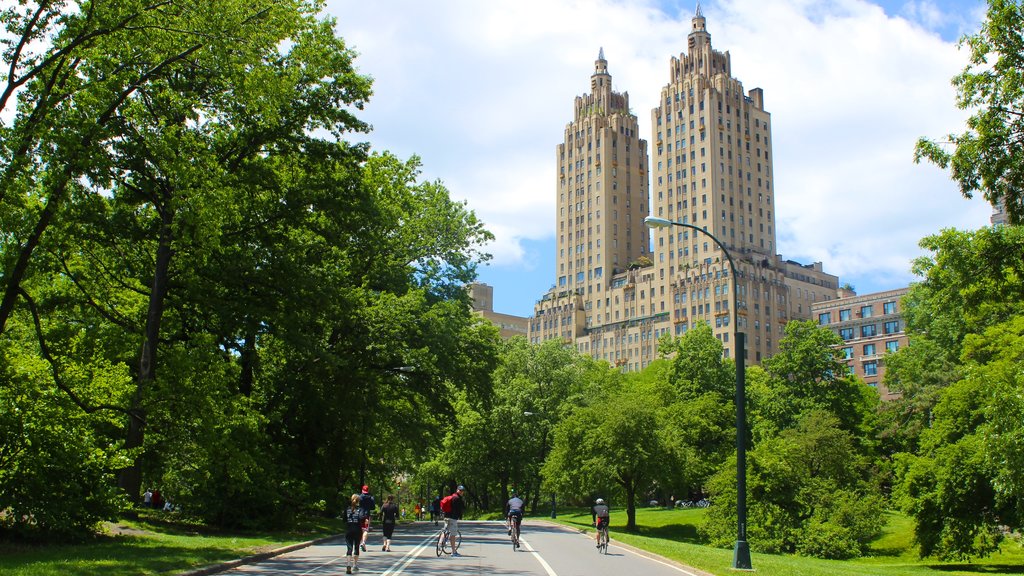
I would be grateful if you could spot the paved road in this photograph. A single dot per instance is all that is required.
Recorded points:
(547, 550)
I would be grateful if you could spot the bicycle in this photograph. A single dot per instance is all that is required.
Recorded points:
(443, 543)
(514, 532)
(602, 539)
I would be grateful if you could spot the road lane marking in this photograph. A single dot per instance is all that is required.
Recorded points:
(411, 555)
(543, 563)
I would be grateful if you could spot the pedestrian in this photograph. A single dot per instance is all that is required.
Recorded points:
(368, 504)
(435, 509)
(353, 533)
(388, 519)
(147, 498)
(418, 513)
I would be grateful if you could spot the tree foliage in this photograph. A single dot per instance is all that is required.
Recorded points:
(959, 476)
(202, 281)
(989, 156)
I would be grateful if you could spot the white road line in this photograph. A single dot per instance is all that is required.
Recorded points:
(543, 563)
(411, 555)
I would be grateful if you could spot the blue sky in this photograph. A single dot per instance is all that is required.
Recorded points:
(481, 91)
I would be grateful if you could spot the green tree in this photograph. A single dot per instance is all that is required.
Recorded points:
(965, 486)
(615, 443)
(808, 374)
(989, 156)
(807, 492)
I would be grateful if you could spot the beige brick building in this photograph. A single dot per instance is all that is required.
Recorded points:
(870, 325)
(482, 297)
(710, 166)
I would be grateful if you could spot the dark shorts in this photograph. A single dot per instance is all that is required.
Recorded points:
(389, 529)
(602, 522)
(516, 515)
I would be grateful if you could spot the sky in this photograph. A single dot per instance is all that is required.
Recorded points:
(481, 91)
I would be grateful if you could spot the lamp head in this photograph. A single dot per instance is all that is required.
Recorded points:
(655, 222)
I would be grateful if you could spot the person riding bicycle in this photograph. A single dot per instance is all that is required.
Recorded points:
(600, 516)
(514, 512)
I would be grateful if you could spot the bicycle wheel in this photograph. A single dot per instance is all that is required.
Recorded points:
(442, 544)
(458, 540)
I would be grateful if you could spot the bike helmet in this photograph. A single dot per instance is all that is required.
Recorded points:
(599, 501)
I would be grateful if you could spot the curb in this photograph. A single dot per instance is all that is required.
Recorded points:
(216, 568)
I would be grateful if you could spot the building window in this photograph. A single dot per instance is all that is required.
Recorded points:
(869, 349)
(824, 318)
(867, 330)
(892, 327)
(848, 353)
(871, 368)
(892, 346)
(844, 315)
(865, 311)
(889, 308)
(846, 333)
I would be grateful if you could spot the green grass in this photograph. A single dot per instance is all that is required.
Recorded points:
(673, 534)
(153, 546)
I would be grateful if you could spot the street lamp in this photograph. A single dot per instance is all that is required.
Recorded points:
(544, 449)
(741, 551)
(362, 419)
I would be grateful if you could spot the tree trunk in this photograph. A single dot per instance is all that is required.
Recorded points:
(630, 487)
(130, 478)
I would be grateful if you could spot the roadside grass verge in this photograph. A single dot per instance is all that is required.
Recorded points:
(673, 534)
(153, 544)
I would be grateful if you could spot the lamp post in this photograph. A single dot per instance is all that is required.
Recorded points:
(544, 450)
(741, 551)
(398, 370)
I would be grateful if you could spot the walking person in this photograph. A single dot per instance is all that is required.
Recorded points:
(353, 533)
(435, 509)
(368, 505)
(388, 519)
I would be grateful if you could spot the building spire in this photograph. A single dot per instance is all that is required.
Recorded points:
(600, 53)
(698, 14)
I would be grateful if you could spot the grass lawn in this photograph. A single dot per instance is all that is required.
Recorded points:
(673, 534)
(151, 545)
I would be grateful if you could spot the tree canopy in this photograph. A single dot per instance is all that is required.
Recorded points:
(989, 156)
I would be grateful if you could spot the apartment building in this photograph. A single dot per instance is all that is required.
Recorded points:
(710, 167)
(481, 296)
(870, 325)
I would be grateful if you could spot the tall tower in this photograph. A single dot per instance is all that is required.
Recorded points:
(602, 188)
(711, 167)
(603, 193)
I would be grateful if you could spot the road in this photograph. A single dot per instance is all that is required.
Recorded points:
(547, 550)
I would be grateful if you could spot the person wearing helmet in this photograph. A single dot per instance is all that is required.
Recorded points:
(599, 514)
(514, 512)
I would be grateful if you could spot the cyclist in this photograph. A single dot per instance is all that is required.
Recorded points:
(599, 515)
(514, 512)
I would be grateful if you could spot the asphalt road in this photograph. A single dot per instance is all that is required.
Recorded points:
(547, 550)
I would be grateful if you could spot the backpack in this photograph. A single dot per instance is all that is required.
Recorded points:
(446, 503)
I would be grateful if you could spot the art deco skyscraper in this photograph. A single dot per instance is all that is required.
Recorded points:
(711, 167)
(602, 185)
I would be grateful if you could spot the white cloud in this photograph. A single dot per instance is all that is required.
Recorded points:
(482, 91)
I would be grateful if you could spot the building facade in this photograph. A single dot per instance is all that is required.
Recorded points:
(870, 326)
(710, 167)
(481, 296)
